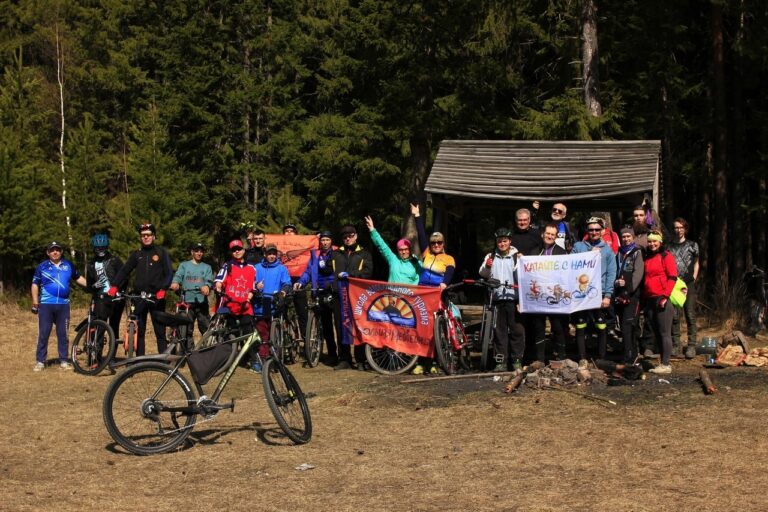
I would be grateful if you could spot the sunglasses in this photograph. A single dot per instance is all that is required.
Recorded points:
(436, 242)
(593, 230)
(349, 235)
(558, 211)
(235, 249)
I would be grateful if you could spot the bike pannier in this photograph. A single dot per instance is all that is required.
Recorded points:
(206, 362)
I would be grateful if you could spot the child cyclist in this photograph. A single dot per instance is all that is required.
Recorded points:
(271, 280)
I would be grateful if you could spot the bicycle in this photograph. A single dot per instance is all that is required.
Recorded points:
(452, 346)
(151, 408)
(182, 308)
(224, 328)
(488, 322)
(94, 346)
(757, 292)
(313, 341)
(131, 340)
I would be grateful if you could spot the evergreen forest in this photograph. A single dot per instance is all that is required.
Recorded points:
(203, 115)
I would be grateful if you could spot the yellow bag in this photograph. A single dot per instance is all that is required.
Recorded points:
(679, 293)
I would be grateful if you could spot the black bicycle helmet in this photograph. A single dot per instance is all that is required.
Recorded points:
(503, 233)
(147, 227)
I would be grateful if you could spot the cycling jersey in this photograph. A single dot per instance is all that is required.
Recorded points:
(53, 281)
(237, 280)
(436, 268)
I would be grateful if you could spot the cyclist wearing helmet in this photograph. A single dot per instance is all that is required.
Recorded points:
(501, 264)
(153, 275)
(100, 275)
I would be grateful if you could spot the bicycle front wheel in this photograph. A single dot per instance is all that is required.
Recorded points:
(389, 362)
(286, 401)
(93, 348)
(313, 341)
(277, 337)
(148, 409)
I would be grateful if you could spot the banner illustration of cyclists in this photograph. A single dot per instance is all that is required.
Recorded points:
(294, 250)
(392, 315)
(560, 284)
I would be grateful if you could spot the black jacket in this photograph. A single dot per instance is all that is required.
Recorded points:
(355, 261)
(153, 270)
(112, 266)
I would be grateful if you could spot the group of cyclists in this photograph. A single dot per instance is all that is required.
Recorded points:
(639, 272)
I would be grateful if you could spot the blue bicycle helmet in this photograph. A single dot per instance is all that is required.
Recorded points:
(99, 240)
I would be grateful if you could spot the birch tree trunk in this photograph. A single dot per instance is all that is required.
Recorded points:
(60, 81)
(590, 58)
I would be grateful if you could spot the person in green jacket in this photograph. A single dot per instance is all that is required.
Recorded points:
(194, 279)
(404, 267)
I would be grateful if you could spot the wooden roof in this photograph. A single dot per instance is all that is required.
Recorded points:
(545, 170)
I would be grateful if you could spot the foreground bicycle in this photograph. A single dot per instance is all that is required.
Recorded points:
(94, 345)
(151, 408)
(452, 346)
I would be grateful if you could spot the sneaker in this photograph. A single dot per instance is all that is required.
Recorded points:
(256, 367)
(343, 365)
(662, 369)
(583, 364)
(363, 367)
(517, 365)
(419, 370)
(501, 367)
(690, 351)
(38, 367)
(433, 370)
(64, 365)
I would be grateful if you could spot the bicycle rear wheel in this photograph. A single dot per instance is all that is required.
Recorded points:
(146, 412)
(444, 353)
(389, 362)
(93, 348)
(313, 341)
(486, 335)
(286, 401)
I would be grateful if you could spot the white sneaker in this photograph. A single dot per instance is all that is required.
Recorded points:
(662, 369)
(38, 367)
(65, 365)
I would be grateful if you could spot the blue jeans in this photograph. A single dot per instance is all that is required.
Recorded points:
(48, 315)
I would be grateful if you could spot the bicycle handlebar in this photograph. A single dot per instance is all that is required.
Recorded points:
(149, 297)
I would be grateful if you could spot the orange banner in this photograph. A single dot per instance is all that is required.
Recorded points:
(294, 250)
(393, 315)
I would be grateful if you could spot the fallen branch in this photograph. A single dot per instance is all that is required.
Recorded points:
(458, 377)
(706, 381)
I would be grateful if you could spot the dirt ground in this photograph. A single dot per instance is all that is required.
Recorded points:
(381, 444)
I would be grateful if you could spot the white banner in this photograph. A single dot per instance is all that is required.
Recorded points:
(560, 284)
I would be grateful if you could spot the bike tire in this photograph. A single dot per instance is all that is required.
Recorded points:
(444, 353)
(94, 347)
(389, 362)
(131, 340)
(286, 401)
(486, 333)
(464, 356)
(313, 341)
(277, 338)
(134, 409)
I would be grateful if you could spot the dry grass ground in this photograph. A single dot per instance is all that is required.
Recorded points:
(380, 444)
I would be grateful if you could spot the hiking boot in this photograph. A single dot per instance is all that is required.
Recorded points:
(64, 365)
(662, 369)
(690, 351)
(343, 365)
(38, 367)
(517, 365)
(418, 370)
(363, 367)
(256, 367)
(433, 370)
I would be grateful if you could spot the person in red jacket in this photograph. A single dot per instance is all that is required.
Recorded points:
(660, 278)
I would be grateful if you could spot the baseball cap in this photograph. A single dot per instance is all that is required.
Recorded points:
(236, 243)
(349, 229)
(403, 242)
(198, 246)
(52, 245)
(326, 234)
(270, 248)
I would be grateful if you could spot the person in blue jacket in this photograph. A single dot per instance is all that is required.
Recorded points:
(271, 283)
(595, 242)
(50, 302)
